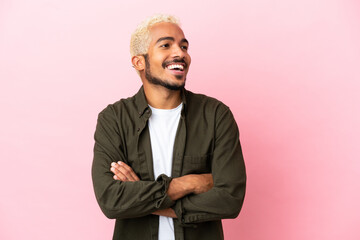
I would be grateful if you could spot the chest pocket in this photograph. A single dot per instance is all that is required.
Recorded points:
(196, 164)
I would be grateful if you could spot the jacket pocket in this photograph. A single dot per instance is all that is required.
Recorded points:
(197, 164)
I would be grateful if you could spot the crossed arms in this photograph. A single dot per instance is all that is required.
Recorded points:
(178, 187)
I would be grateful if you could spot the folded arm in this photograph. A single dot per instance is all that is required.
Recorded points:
(178, 187)
(122, 199)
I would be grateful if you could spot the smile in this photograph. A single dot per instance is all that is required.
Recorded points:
(177, 67)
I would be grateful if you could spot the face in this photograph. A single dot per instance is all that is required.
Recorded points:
(167, 61)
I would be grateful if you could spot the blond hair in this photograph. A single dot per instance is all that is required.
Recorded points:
(140, 39)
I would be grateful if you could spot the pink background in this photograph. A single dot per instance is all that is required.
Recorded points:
(289, 70)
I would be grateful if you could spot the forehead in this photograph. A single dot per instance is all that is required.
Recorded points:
(165, 29)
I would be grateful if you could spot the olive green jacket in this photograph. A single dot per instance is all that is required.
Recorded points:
(207, 141)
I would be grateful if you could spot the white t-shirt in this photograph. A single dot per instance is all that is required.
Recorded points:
(163, 125)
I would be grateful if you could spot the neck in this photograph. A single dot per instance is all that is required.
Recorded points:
(161, 97)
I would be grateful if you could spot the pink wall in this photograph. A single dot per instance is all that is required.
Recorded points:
(289, 70)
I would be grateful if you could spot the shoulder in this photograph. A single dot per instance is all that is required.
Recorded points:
(200, 102)
(120, 107)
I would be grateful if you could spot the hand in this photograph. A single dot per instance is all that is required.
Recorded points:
(123, 172)
(201, 182)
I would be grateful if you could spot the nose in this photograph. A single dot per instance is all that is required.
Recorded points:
(178, 52)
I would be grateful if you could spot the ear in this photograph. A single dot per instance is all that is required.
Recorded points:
(138, 62)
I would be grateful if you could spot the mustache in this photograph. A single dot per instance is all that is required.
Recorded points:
(176, 60)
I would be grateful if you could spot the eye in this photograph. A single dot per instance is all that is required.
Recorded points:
(166, 45)
(184, 47)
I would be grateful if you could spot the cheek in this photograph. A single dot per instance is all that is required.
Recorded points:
(189, 60)
(157, 62)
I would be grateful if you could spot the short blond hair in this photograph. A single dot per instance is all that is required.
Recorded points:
(140, 39)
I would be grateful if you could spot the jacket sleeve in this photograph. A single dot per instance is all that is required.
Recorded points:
(119, 199)
(226, 197)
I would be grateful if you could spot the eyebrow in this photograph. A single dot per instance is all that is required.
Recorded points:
(172, 39)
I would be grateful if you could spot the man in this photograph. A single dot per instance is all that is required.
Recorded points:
(167, 162)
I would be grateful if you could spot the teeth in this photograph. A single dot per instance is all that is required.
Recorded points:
(181, 67)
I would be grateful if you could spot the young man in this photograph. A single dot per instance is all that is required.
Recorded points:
(167, 162)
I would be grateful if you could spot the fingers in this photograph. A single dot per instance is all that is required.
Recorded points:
(204, 182)
(210, 181)
(209, 178)
(128, 171)
(117, 174)
(123, 172)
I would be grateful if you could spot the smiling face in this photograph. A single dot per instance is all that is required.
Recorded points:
(167, 61)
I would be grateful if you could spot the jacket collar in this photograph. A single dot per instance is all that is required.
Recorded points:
(142, 105)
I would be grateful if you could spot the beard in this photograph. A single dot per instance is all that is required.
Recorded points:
(161, 82)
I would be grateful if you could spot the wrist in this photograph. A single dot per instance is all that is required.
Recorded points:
(180, 187)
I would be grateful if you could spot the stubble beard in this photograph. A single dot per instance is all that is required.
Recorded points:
(161, 82)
